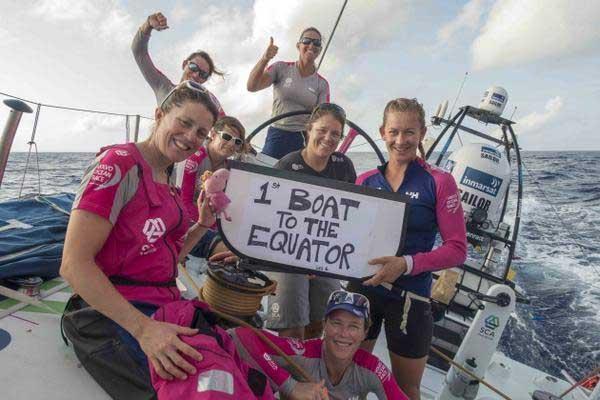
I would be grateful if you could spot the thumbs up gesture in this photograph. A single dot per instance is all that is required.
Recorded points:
(271, 50)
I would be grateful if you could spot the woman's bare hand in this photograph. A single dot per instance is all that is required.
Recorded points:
(161, 343)
(158, 21)
(392, 268)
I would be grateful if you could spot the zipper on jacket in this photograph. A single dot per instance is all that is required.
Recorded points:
(173, 256)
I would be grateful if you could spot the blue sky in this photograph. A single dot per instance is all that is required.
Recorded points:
(76, 53)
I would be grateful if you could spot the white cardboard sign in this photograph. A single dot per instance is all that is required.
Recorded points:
(295, 222)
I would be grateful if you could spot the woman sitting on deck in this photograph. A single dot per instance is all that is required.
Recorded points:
(127, 232)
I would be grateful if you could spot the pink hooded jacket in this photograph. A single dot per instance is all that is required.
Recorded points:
(221, 374)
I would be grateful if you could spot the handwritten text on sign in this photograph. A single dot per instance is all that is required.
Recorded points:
(308, 229)
(310, 226)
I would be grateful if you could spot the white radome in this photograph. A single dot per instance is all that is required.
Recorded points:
(494, 100)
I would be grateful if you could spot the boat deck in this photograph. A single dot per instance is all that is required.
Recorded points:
(36, 363)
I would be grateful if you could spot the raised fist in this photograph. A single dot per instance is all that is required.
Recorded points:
(158, 21)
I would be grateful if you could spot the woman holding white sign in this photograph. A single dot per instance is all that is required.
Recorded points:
(434, 207)
(298, 308)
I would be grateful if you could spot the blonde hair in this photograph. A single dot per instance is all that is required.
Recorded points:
(409, 106)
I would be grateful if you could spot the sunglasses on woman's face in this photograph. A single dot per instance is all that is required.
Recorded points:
(228, 137)
(306, 41)
(195, 68)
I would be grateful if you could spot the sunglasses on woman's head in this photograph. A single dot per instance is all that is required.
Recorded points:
(353, 299)
(306, 41)
(228, 137)
(330, 107)
(195, 68)
(344, 297)
(195, 86)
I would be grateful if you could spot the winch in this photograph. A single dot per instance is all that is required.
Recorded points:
(234, 290)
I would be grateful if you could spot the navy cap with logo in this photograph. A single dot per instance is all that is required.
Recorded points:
(354, 303)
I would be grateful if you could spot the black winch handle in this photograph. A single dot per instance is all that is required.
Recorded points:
(502, 299)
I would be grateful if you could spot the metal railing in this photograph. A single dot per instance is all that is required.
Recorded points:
(19, 105)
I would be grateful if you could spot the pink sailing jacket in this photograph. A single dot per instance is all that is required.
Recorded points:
(367, 374)
(140, 254)
(190, 180)
(221, 374)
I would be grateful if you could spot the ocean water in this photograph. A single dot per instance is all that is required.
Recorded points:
(558, 265)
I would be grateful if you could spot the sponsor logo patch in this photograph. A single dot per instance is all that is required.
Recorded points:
(481, 181)
(452, 203)
(491, 154)
(296, 345)
(275, 311)
(270, 361)
(492, 322)
(147, 249)
(191, 166)
(412, 195)
(499, 97)
(297, 167)
(474, 200)
(488, 330)
(154, 229)
(122, 153)
(105, 176)
(382, 372)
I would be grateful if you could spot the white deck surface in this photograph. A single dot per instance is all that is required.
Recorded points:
(36, 364)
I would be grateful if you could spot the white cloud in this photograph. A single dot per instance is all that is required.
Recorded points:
(469, 18)
(536, 120)
(6, 38)
(95, 121)
(179, 13)
(116, 27)
(523, 31)
(105, 20)
(88, 132)
(63, 10)
(236, 37)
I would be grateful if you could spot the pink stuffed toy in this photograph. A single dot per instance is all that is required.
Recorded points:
(212, 188)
